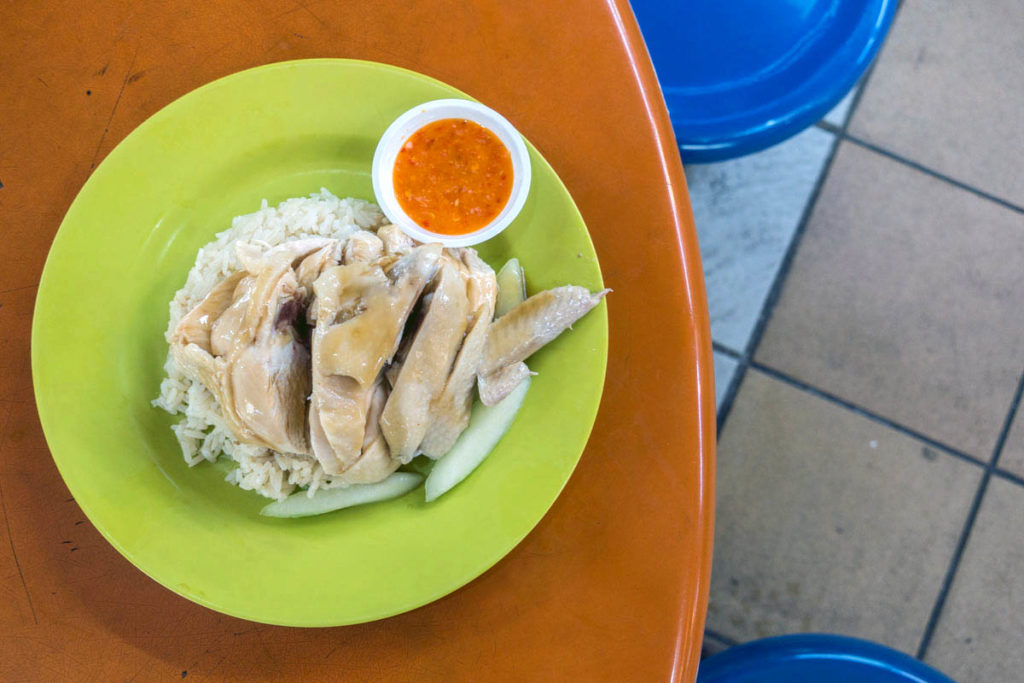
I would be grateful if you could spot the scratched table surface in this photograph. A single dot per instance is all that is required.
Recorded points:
(612, 583)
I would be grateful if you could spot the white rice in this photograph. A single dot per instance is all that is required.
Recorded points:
(201, 433)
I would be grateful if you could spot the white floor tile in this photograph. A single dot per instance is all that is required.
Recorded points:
(746, 212)
(837, 117)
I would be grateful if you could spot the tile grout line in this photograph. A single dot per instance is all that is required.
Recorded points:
(1008, 476)
(882, 151)
(868, 414)
(729, 396)
(828, 127)
(972, 516)
(745, 360)
(726, 351)
(724, 639)
(860, 142)
(991, 468)
(775, 290)
(954, 564)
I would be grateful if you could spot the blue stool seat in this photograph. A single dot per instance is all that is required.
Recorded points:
(742, 75)
(815, 658)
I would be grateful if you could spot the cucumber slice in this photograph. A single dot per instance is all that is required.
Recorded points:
(328, 500)
(486, 427)
(511, 287)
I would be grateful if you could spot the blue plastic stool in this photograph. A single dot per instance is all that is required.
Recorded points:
(815, 658)
(742, 75)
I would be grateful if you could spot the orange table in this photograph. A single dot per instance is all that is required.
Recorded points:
(612, 584)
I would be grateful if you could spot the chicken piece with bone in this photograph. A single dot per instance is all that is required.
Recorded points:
(241, 343)
(518, 334)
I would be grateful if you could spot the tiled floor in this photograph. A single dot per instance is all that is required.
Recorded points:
(866, 289)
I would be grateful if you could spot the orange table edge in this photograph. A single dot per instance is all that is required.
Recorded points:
(612, 584)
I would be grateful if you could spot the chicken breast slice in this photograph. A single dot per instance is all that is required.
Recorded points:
(362, 246)
(449, 413)
(234, 329)
(364, 331)
(260, 299)
(197, 325)
(270, 382)
(253, 259)
(340, 404)
(361, 311)
(310, 269)
(481, 282)
(427, 365)
(312, 265)
(396, 242)
(270, 377)
(375, 463)
(338, 417)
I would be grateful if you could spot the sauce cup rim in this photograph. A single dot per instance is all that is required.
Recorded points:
(401, 128)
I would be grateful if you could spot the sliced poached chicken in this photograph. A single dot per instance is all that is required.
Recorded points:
(361, 312)
(427, 364)
(449, 412)
(245, 349)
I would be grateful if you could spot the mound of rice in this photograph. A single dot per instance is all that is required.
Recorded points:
(202, 433)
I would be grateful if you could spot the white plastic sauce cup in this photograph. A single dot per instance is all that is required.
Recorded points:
(428, 112)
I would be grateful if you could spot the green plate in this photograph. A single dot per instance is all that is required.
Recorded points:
(124, 248)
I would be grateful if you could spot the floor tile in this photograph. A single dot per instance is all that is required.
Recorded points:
(837, 117)
(947, 92)
(725, 368)
(827, 521)
(1012, 459)
(904, 298)
(979, 635)
(746, 212)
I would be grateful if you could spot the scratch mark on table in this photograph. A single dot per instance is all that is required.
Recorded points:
(10, 538)
(313, 14)
(40, 79)
(304, 7)
(286, 12)
(18, 289)
(110, 118)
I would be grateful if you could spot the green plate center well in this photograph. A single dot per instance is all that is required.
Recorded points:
(126, 246)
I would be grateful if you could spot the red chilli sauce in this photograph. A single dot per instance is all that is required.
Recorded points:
(453, 176)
